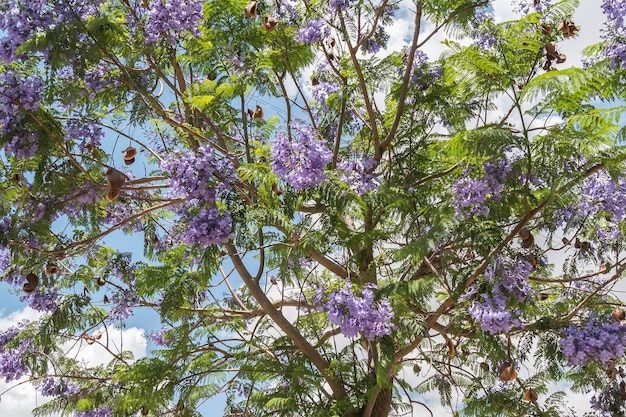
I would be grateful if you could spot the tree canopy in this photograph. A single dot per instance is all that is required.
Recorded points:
(324, 224)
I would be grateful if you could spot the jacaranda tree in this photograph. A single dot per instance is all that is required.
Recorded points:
(324, 226)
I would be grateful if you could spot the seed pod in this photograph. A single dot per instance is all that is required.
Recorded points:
(17, 177)
(129, 155)
(276, 190)
(619, 314)
(530, 395)
(269, 23)
(565, 241)
(622, 390)
(507, 372)
(251, 9)
(51, 268)
(546, 29)
(484, 366)
(113, 195)
(577, 243)
(529, 242)
(451, 347)
(273, 280)
(32, 281)
(551, 51)
(106, 299)
(59, 252)
(144, 411)
(543, 296)
(89, 339)
(258, 112)
(561, 59)
(524, 234)
(100, 281)
(115, 178)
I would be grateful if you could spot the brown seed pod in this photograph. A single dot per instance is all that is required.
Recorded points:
(622, 390)
(113, 195)
(251, 9)
(276, 190)
(546, 29)
(507, 372)
(258, 112)
(451, 347)
(543, 296)
(59, 252)
(273, 280)
(619, 314)
(551, 51)
(17, 177)
(106, 299)
(144, 411)
(32, 281)
(315, 81)
(561, 59)
(89, 339)
(484, 366)
(530, 395)
(565, 241)
(524, 234)
(269, 23)
(115, 178)
(577, 243)
(529, 242)
(129, 155)
(100, 281)
(51, 268)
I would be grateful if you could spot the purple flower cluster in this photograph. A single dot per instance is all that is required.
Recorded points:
(313, 32)
(84, 132)
(56, 387)
(485, 32)
(357, 173)
(288, 11)
(300, 162)
(604, 196)
(159, 337)
(471, 194)
(321, 91)
(125, 300)
(46, 300)
(423, 73)
(11, 365)
(608, 402)
(19, 20)
(356, 314)
(201, 178)
(168, 18)
(599, 338)
(16, 96)
(377, 41)
(615, 35)
(507, 280)
(340, 5)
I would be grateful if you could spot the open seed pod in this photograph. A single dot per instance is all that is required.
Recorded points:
(100, 281)
(524, 234)
(251, 9)
(32, 281)
(269, 23)
(530, 395)
(115, 178)
(561, 59)
(546, 29)
(51, 268)
(551, 51)
(507, 372)
(619, 314)
(129, 155)
(256, 113)
(568, 28)
(273, 280)
(113, 194)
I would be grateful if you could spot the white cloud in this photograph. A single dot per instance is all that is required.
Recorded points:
(18, 398)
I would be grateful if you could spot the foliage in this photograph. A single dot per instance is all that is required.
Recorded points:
(324, 223)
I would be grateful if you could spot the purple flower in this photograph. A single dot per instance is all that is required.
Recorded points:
(100, 412)
(357, 173)
(56, 387)
(599, 338)
(313, 32)
(302, 161)
(166, 19)
(356, 314)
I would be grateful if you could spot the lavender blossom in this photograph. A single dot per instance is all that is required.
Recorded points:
(599, 338)
(167, 19)
(615, 33)
(358, 174)
(356, 314)
(313, 32)
(300, 162)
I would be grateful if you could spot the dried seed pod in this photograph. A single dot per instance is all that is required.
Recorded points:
(115, 178)
(32, 281)
(622, 390)
(529, 242)
(251, 9)
(551, 51)
(543, 296)
(315, 81)
(417, 369)
(51, 268)
(97, 335)
(568, 28)
(258, 112)
(451, 347)
(17, 177)
(548, 65)
(530, 395)
(546, 29)
(585, 245)
(59, 252)
(100, 281)
(524, 234)
(619, 314)
(561, 59)
(484, 366)
(89, 339)
(106, 299)
(113, 195)
(565, 241)
(144, 411)
(129, 155)
(273, 280)
(507, 372)
(269, 23)
(276, 190)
